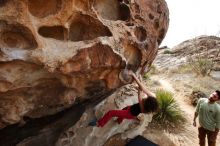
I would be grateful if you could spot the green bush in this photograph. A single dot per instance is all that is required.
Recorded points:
(185, 68)
(201, 66)
(169, 111)
(167, 52)
(152, 70)
(146, 76)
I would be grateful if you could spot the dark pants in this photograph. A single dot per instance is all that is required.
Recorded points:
(211, 135)
(121, 114)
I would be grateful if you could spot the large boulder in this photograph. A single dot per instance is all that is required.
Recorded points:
(200, 47)
(190, 52)
(56, 53)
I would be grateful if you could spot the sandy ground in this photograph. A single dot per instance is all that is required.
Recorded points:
(181, 85)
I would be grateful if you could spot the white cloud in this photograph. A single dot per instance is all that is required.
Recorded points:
(190, 18)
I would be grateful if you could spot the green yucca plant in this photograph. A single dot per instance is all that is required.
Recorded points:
(169, 110)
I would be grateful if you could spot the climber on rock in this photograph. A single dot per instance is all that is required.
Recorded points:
(145, 105)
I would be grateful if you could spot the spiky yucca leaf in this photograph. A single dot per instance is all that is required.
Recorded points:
(169, 110)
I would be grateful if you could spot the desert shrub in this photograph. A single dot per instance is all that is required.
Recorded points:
(152, 70)
(169, 111)
(201, 65)
(146, 76)
(196, 95)
(167, 52)
(184, 68)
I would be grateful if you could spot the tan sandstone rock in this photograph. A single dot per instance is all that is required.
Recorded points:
(54, 53)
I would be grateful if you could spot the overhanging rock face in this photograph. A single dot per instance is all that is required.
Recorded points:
(56, 53)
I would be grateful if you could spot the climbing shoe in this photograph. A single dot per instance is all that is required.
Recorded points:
(93, 122)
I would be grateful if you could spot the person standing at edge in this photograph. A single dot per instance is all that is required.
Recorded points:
(209, 118)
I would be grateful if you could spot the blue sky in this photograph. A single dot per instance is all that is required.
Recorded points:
(191, 18)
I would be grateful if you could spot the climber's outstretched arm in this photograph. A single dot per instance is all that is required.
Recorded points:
(140, 100)
(141, 85)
